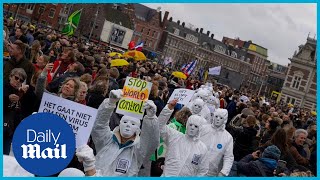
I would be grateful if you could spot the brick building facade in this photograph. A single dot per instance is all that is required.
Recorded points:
(36, 13)
(300, 85)
(148, 25)
(183, 44)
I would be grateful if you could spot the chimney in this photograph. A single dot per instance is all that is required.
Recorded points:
(165, 18)
(197, 30)
(212, 36)
(178, 22)
(201, 30)
(208, 33)
(183, 24)
(170, 19)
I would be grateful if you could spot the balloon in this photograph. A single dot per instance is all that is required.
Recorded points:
(131, 45)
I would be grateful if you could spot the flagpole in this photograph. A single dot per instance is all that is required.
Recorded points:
(94, 23)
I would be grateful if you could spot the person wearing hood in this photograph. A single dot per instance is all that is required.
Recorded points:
(201, 94)
(219, 143)
(252, 165)
(194, 160)
(196, 109)
(121, 152)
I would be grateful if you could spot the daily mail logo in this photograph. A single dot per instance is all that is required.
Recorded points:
(44, 144)
(34, 150)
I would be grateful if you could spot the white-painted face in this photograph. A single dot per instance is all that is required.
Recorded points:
(197, 106)
(193, 126)
(202, 94)
(211, 100)
(129, 126)
(220, 117)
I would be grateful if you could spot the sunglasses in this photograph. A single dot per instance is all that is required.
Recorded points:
(18, 79)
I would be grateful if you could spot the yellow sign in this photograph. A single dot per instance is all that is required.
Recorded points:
(135, 93)
(276, 96)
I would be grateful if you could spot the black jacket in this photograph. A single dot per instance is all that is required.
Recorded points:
(245, 142)
(250, 167)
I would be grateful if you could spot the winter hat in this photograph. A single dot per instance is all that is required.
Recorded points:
(272, 152)
(11, 168)
(71, 172)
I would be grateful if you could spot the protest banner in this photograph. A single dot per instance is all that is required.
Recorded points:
(135, 93)
(183, 95)
(80, 117)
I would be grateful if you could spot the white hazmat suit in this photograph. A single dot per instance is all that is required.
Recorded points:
(219, 143)
(186, 155)
(114, 158)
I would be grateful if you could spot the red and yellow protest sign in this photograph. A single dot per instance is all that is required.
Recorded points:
(135, 93)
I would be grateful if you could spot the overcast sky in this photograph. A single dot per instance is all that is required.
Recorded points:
(280, 28)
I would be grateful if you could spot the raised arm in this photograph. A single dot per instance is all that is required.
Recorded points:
(163, 118)
(150, 135)
(101, 133)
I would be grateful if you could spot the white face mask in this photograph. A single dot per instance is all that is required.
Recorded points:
(218, 121)
(196, 108)
(192, 130)
(129, 126)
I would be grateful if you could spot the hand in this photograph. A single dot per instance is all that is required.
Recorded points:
(172, 104)
(85, 155)
(14, 98)
(115, 96)
(256, 154)
(24, 88)
(49, 67)
(150, 108)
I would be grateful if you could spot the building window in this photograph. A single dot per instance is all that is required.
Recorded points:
(142, 30)
(22, 6)
(291, 100)
(296, 82)
(176, 32)
(41, 9)
(148, 32)
(52, 12)
(30, 6)
(154, 32)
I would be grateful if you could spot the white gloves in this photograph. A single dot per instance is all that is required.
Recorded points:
(150, 108)
(85, 155)
(115, 96)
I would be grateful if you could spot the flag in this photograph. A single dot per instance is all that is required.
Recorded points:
(189, 68)
(205, 75)
(200, 73)
(183, 67)
(167, 60)
(72, 24)
(139, 46)
(215, 70)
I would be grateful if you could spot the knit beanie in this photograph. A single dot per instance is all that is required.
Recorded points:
(272, 152)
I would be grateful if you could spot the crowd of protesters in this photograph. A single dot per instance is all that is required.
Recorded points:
(38, 60)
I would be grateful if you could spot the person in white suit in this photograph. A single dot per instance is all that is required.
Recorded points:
(122, 151)
(186, 155)
(219, 143)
